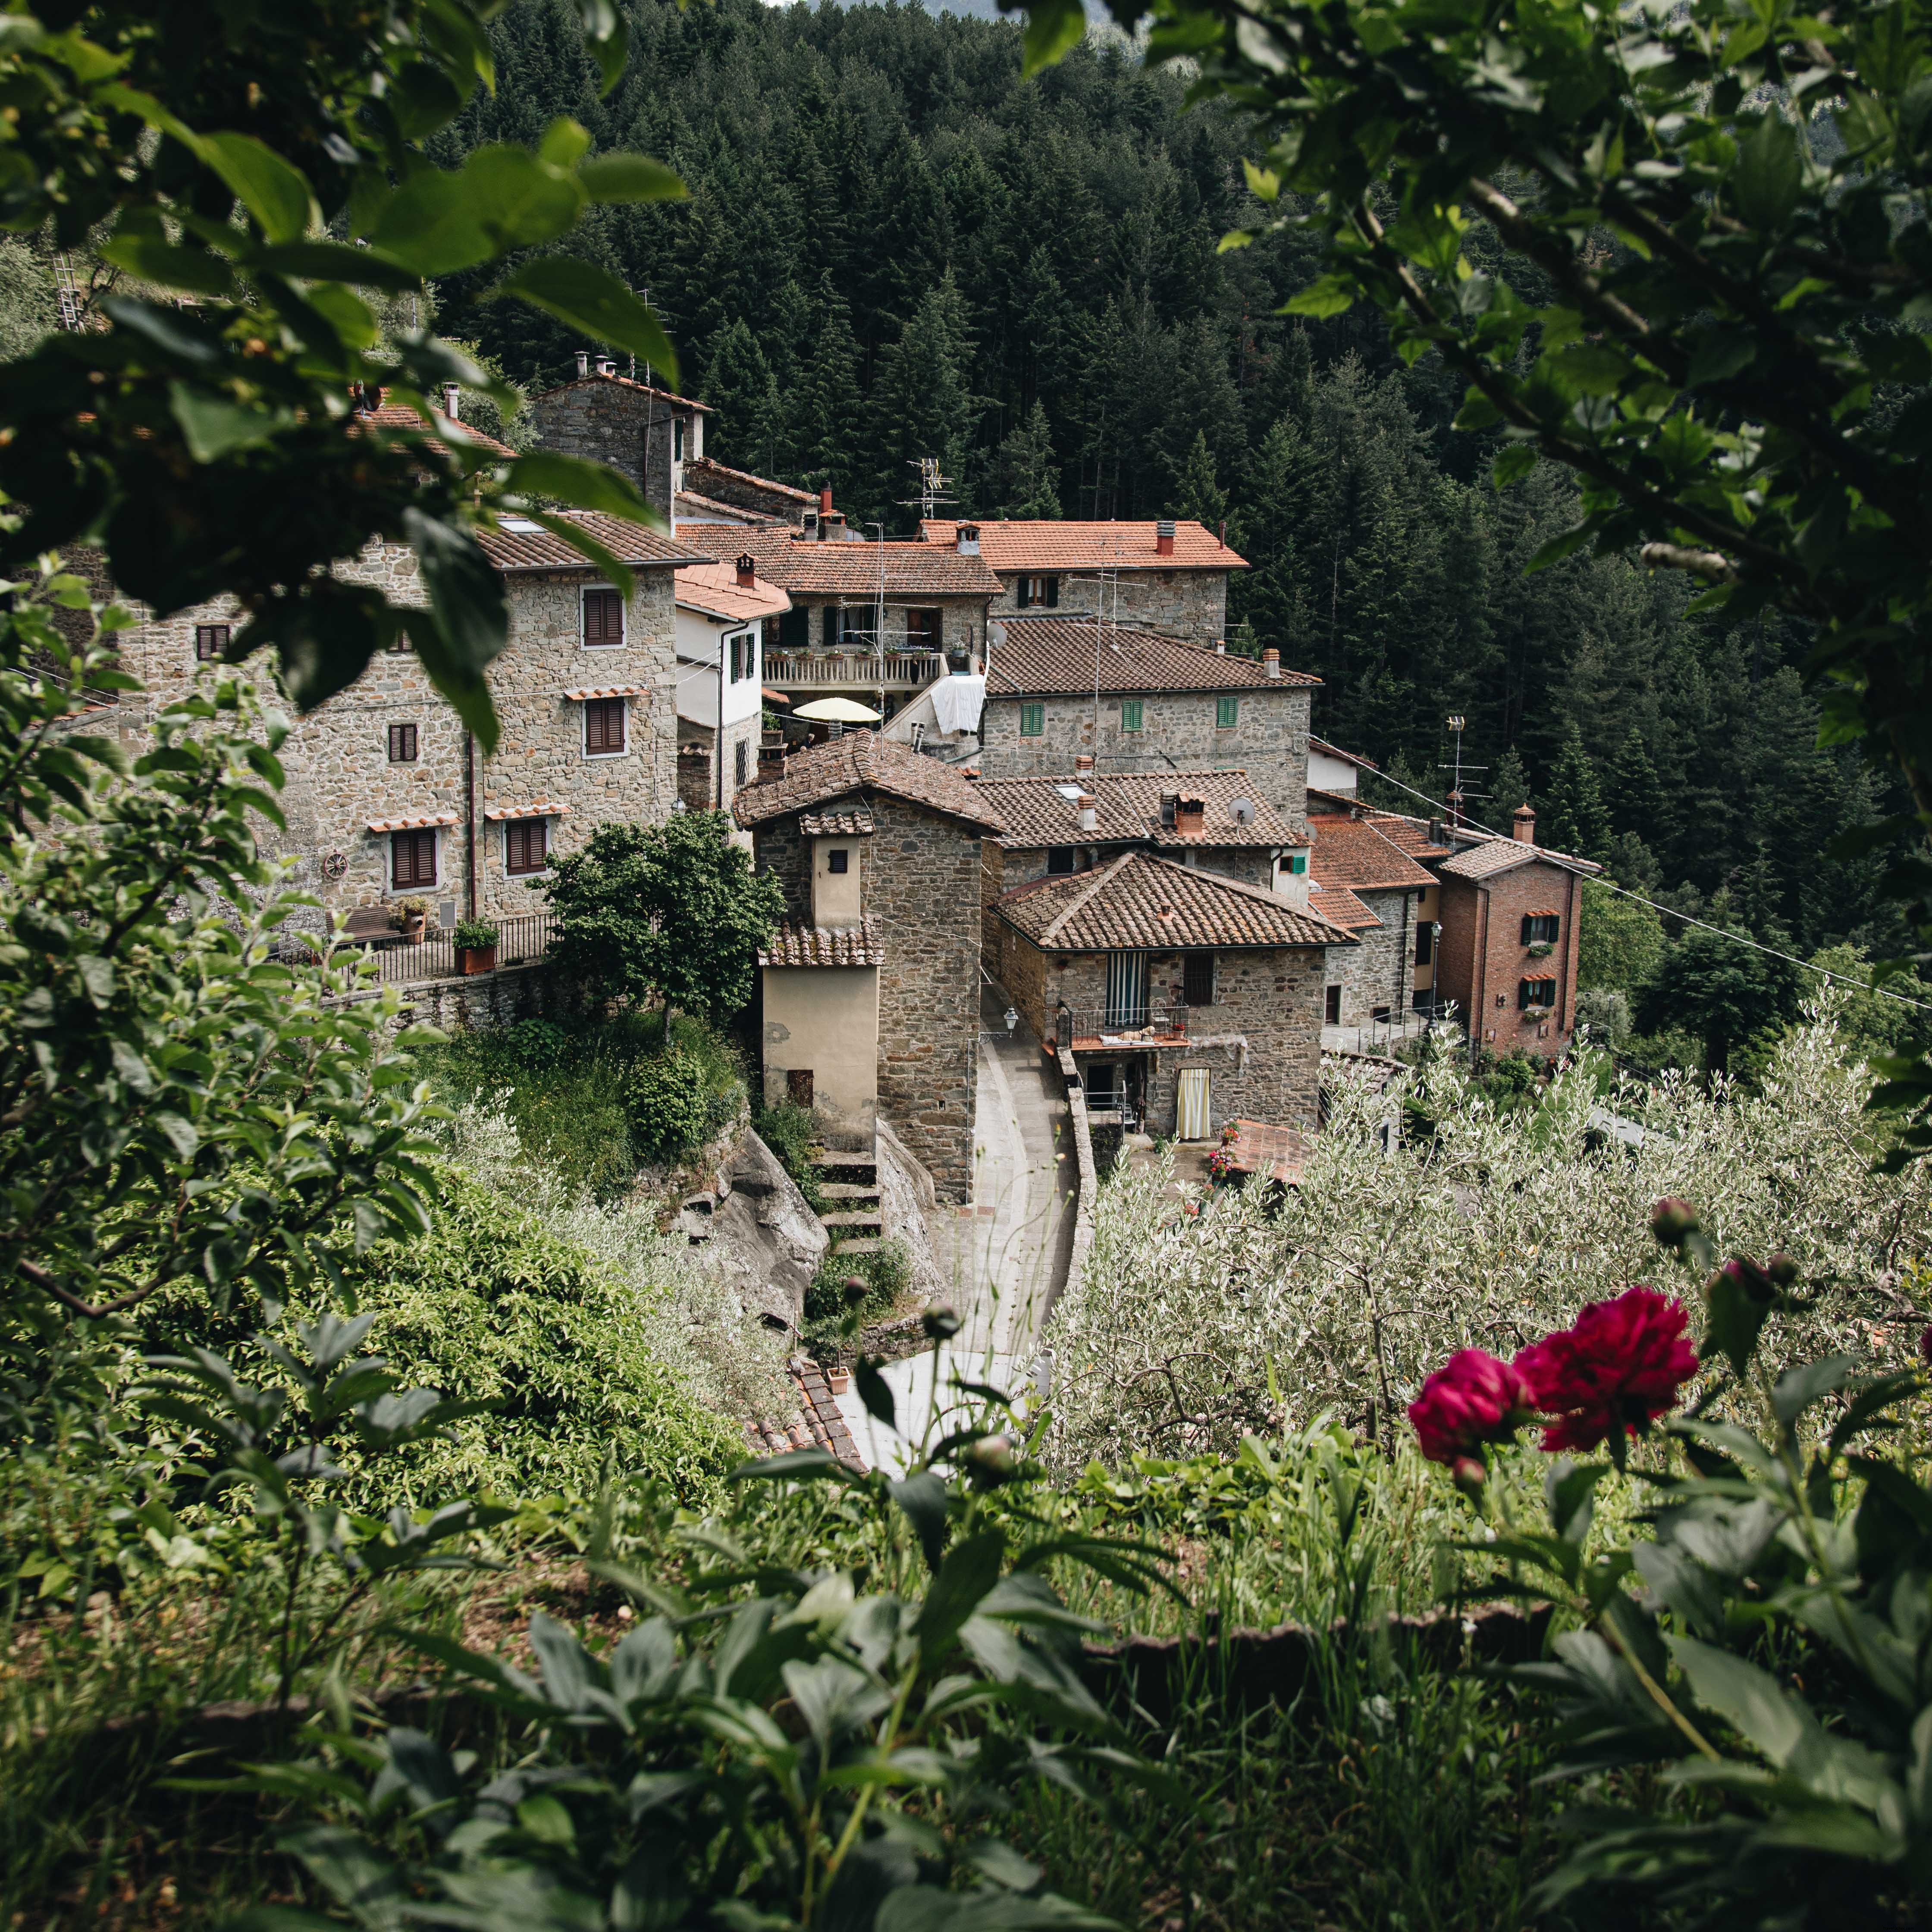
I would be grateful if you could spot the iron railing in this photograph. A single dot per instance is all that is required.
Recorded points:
(521, 939)
(895, 670)
(1129, 1026)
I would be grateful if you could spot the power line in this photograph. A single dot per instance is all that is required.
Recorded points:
(1669, 912)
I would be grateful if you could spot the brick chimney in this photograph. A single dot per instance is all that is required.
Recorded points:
(1083, 761)
(967, 538)
(1522, 825)
(1190, 817)
(1271, 663)
(1090, 818)
(748, 571)
(771, 762)
(1163, 537)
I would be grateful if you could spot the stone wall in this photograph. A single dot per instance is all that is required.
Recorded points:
(1261, 1041)
(962, 622)
(1375, 971)
(1190, 605)
(1269, 739)
(478, 1002)
(340, 778)
(1482, 932)
(617, 422)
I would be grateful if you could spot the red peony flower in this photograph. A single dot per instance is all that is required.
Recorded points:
(1619, 1366)
(1472, 1400)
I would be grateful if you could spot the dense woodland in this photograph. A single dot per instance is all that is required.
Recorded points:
(895, 246)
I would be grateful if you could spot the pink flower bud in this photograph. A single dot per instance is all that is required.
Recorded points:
(1673, 1221)
(1782, 1269)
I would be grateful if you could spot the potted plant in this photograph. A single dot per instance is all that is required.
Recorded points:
(411, 918)
(475, 945)
(1540, 949)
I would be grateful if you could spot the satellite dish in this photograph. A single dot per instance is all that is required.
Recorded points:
(1241, 811)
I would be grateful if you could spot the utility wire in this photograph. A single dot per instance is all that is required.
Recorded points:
(1668, 912)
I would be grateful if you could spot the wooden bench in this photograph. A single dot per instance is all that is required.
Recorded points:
(369, 925)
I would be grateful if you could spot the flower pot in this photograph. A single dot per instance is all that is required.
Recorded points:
(475, 959)
(415, 931)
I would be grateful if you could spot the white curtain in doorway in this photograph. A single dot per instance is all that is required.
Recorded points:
(1193, 1123)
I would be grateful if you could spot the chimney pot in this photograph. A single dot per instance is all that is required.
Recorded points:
(1083, 761)
(748, 571)
(1170, 809)
(583, 364)
(1089, 818)
(1220, 647)
(967, 539)
(607, 365)
(1271, 663)
(1163, 537)
(1522, 825)
(452, 402)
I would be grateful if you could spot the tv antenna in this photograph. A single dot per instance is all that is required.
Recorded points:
(1458, 798)
(933, 489)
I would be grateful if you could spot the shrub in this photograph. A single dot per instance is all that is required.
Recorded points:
(887, 1272)
(474, 935)
(666, 1098)
(535, 1046)
(787, 1130)
(1605, 1011)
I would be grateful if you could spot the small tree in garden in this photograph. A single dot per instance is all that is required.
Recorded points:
(672, 909)
(1709, 986)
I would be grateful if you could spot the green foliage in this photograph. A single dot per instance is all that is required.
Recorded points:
(1573, 819)
(672, 909)
(1618, 941)
(666, 1101)
(474, 935)
(788, 1130)
(1605, 1011)
(884, 1275)
(28, 308)
(1876, 1018)
(230, 409)
(1720, 992)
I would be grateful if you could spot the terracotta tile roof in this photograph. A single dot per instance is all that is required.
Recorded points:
(1356, 854)
(1139, 902)
(1057, 544)
(822, 945)
(433, 434)
(839, 568)
(517, 544)
(544, 809)
(1054, 657)
(589, 691)
(820, 1424)
(1412, 835)
(714, 589)
(631, 383)
(691, 508)
(1338, 904)
(1126, 805)
(1319, 800)
(422, 822)
(1494, 855)
(1327, 750)
(703, 467)
(835, 824)
(862, 761)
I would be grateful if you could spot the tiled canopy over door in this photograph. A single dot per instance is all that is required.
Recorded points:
(1127, 989)
(1192, 1125)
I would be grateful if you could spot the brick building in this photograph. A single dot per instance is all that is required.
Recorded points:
(1361, 878)
(1170, 576)
(878, 851)
(389, 798)
(1160, 705)
(1508, 955)
(647, 433)
(1186, 999)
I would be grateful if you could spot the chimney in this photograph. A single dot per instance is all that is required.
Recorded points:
(607, 365)
(1271, 663)
(1089, 818)
(1220, 647)
(1223, 539)
(1439, 832)
(967, 539)
(1163, 537)
(583, 364)
(1170, 809)
(1083, 761)
(771, 762)
(1190, 817)
(452, 402)
(748, 571)
(1522, 825)
(823, 527)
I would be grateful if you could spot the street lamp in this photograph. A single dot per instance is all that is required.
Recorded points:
(1012, 1021)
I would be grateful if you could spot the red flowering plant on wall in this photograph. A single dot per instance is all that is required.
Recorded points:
(1766, 1649)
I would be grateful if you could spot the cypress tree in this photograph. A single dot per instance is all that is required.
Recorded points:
(1026, 474)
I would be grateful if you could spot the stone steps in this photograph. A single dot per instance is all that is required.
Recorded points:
(856, 1218)
(848, 1190)
(863, 1244)
(844, 1164)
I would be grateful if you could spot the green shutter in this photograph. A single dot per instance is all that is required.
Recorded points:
(1227, 713)
(1033, 721)
(1130, 713)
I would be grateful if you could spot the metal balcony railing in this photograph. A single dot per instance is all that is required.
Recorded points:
(522, 939)
(897, 671)
(1129, 1026)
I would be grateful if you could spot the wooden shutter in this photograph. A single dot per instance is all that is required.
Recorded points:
(603, 724)
(1023, 592)
(1052, 592)
(402, 744)
(411, 859)
(526, 844)
(603, 617)
(210, 641)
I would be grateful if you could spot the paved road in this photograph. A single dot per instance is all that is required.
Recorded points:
(1010, 1250)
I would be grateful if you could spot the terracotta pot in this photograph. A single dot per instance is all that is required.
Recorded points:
(475, 959)
(415, 931)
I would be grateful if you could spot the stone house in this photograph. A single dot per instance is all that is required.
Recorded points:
(1170, 576)
(389, 798)
(1508, 955)
(1360, 878)
(721, 610)
(711, 493)
(869, 993)
(648, 433)
(1186, 999)
(1160, 705)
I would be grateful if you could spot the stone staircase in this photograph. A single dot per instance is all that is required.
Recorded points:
(849, 1181)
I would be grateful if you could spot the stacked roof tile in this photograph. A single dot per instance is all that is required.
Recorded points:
(1057, 544)
(517, 544)
(835, 824)
(840, 568)
(1127, 805)
(822, 945)
(1054, 657)
(862, 761)
(819, 1423)
(1357, 854)
(714, 589)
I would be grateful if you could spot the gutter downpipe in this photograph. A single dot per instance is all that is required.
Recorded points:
(717, 737)
(469, 821)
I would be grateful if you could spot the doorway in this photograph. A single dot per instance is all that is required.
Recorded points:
(1191, 1123)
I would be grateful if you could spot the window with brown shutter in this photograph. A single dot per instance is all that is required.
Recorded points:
(526, 844)
(402, 744)
(210, 641)
(411, 859)
(603, 725)
(1197, 978)
(603, 617)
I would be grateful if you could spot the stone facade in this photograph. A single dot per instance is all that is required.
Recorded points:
(1190, 605)
(920, 878)
(646, 433)
(1374, 974)
(341, 777)
(1269, 739)
(1482, 961)
(1261, 1040)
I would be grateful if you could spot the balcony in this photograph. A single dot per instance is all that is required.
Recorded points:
(865, 671)
(1100, 1029)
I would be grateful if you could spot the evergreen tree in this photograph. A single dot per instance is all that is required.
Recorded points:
(1508, 786)
(1198, 495)
(825, 418)
(1026, 470)
(1632, 792)
(744, 399)
(1573, 819)
(924, 406)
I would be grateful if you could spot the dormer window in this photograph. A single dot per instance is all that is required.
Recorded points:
(1042, 592)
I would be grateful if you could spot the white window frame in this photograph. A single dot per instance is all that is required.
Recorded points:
(583, 643)
(583, 728)
(391, 890)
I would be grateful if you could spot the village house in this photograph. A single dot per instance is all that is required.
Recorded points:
(869, 992)
(647, 433)
(1170, 576)
(1135, 701)
(1360, 878)
(709, 493)
(1187, 999)
(721, 610)
(390, 798)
